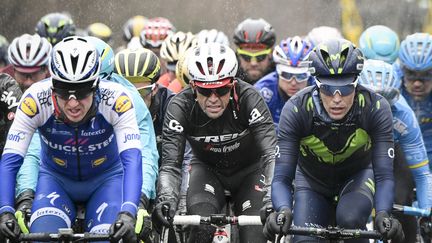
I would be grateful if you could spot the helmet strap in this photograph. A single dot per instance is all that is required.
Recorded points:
(234, 100)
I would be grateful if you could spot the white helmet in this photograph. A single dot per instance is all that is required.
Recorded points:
(322, 33)
(213, 35)
(29, 51)
(74, 60)
(211, 62)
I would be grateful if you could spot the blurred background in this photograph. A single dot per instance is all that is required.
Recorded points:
(288, 17)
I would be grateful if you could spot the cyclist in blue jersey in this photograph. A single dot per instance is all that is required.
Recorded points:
(90, 148)
(290, 76)
(382, 78)
(335, 138)
(415, 57)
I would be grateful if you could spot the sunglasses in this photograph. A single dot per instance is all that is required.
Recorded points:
(221, 91)
(78, 94)
(411, 75)
(146, 90)
(299, 78)
(331, 90)
(257, 56)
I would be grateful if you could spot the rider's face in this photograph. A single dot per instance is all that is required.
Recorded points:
(213, 104)
(74, 109)
(337, 106)
(418, 84)
(26, 79)
(254, 63)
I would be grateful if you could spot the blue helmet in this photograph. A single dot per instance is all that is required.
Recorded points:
(291, 51)
(381, 77)
(416, 52)
(379, 42)
(106, 56)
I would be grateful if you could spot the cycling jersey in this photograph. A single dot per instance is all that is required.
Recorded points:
(407, 133)
(108, 140)
(242, 136)
(423, 111)
(329, 152)
(10, 96)
(27, 175)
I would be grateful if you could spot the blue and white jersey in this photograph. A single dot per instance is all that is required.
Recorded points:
(407, 133)
(269, 90)
(423, 112)
(108, 141)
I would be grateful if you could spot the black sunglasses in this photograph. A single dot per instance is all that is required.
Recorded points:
(78, 94)
(331, 90)
(217, 91)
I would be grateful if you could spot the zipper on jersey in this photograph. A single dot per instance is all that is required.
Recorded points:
(78, 155)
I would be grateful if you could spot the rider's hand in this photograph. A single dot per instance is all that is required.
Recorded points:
(143, 226)
(9, 227)
(163, 215)
(23, 206)
(265, 212)
(389, 227)
(123, 228)
(278, 223)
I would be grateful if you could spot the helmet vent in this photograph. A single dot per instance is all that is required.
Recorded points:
(62, 59)
(221, 64)
(210, 65)
(258, 36)
(200, 68)
(131, 64)
(343, 57)
(326, 58)
(222, 49)
(85, 61)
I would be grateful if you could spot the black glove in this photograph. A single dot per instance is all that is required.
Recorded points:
(123, 228)
(389, 227)
(163, 215)
(277, 223)
(265, 212)
(9, 227)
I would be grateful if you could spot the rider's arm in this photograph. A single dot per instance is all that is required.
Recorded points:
(129, 146)
(407, 130)
(286, 155)
(261, 126)
(28, 173)
(380, 121)
(173, 146)
(27, 119)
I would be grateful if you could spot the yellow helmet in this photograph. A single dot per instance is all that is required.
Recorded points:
(138, 65)
(182, 72)
(174, 46)
(100, 30)
(133, 27)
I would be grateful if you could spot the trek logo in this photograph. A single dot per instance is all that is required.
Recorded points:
(175, 126)
(17, 137)
(9, 99)
(130, 137)
(255, 116)
(220, 138)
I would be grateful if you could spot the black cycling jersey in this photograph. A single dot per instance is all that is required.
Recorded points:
(242, 136)
(330, 152)
(159, 104)
(10, 97)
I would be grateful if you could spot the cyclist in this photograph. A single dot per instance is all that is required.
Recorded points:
(173, 47)
(100, 30)
(149, 152)
(322, 33)
(290, 76)
(379, 42)
(133, 27)
(382, 78)
(415, 57)
(143, 75)
(90, 148)
(340, 136)
(55, 27)
(231, 133)
(254, 39)
(3, 52)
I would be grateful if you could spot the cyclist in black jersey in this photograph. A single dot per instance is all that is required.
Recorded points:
(230, 130)
(336, 139)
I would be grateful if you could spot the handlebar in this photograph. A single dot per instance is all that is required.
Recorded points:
(413, 211)
(64, 235)
(217, 219)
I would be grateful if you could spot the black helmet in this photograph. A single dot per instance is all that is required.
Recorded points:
(253, 32)
(55, 27)
(336, 62)
(4, 44)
